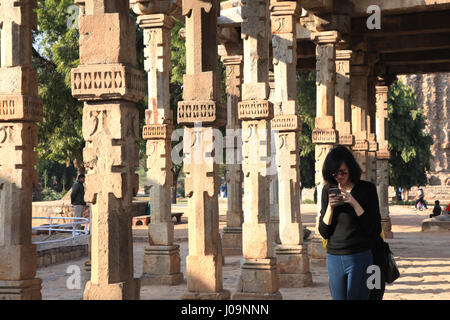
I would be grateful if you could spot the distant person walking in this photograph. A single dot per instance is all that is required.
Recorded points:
(77, 197)
(421, 199)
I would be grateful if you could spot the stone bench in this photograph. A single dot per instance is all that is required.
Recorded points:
(439, 223)
(145, 220)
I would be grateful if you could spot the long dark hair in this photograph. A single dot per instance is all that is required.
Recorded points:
(333, 162)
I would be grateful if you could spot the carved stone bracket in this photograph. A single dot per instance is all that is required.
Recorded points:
(108, 82)
(373, 145)
(383, 154)
(209, 111)
(361, 145)
(20, 107)
(157, 131)
(346, 139)
(324, 136)
(289, 122)
(255, 109)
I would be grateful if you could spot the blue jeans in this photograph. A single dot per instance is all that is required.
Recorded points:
(348, 275)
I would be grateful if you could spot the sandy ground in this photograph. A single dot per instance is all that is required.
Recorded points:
(423, 260)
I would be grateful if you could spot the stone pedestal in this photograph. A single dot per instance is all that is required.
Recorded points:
(293, 266)
(129, 290)
(21, 289)
(162, 266)
(258, 280)
(232, 241)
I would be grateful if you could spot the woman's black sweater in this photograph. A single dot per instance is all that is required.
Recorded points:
(348, 233)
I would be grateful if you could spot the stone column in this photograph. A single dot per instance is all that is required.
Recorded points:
(292, 254)
(258, 274)
(324, 135)
(232, 233)
(162, 256)
(201, 108)
(342, 108)
(383, 156)
(110, 85)
(359, 86)
(371, 137)
(273, 179)
(20, 110)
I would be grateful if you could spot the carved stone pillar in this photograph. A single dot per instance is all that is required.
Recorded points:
(273, 179)
(371, 137)
(324, 135)
(232, 233)
(292, 254)
(20, 110)
(162, 256)
(359, 87)
(201, 108)
(342, 108)
(383, 156)
(109, 85)
(258, 274)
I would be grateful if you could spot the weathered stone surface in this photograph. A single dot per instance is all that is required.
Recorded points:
(432, 95)
(20, 108)
(110, 129)
(258, 272)
(439, 223)
(103, 82)
(201, 93)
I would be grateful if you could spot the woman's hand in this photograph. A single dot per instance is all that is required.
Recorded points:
(348, 198)
(334, 200)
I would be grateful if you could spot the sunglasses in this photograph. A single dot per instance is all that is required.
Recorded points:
(340, 173)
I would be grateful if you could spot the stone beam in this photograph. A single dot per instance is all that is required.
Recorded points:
(418, 57)
(419, 69)
(409, 43)
(405, 24)
(392, 6)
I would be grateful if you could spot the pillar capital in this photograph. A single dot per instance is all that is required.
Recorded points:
(326, 37)
(157, 20)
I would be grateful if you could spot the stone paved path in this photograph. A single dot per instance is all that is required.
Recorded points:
(423, 260)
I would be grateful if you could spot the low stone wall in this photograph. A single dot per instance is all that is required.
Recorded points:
(441, 193)
(46, 257)
(63, 208)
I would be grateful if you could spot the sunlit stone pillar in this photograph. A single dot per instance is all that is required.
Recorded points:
(232, 233)
(371, 136)
(324, 135)
(342, 108)
(359, 87)
(162, 256)
(292, 254)
(20, 110)
(383, 156)
(258, 275)
(110, 85)
(273, 179)
(201, 113)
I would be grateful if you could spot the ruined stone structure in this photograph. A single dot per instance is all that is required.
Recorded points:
(20, 110)
(355, 65)
(433, 95)
(110, 85)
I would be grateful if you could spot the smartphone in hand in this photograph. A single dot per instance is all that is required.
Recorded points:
(337, 192)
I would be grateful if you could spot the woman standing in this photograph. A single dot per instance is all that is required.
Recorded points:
(350, 220)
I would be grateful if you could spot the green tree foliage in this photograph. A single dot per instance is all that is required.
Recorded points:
(60, 137)
(306, 97)
(409, 144)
